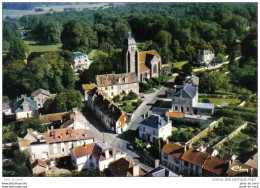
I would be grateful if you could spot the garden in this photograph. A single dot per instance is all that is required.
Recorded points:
(223, 129)
(241, 145)
(129, 102)
(184, 130)
(149, 85)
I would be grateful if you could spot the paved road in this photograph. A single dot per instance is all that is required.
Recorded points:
(120, 141)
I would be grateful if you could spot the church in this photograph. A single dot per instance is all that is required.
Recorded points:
(145, 64)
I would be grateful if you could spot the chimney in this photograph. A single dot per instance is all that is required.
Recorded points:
(51, 127)
(161, 120)
(107, 153)
(185, 147)
(201, 147)
(25, 106)
(156, 163)
(168, 119)
(136, 170)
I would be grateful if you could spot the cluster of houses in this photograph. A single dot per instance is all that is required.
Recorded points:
(187, 161)
(26, 107)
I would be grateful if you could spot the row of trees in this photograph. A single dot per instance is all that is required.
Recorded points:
(177, 31)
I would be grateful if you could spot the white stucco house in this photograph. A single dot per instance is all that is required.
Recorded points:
(25, 108)
(81, 61)
(206, 58)
(155, 127)
(40, 96)
(94, 156)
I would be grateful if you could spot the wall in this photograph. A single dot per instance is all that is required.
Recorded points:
(165, 131)
(21, 115)
(204, 132)
(231, 135)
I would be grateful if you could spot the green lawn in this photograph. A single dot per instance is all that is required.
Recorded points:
(92, 53)
(34, 46)
(219, 101)
(179, 64)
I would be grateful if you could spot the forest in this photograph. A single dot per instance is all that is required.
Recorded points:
(178, 31)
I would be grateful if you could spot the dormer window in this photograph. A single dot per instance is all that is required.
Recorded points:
(125, 79)
(119, 80)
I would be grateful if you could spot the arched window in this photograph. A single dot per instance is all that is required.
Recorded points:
(154, 69)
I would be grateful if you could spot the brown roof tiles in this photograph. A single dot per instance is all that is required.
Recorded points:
(88, 86)
(81, 151)
(215, 165)
(195, 157)
(143, 67)
(37, 162)
(175, 114)
(116, 79)
(24, 142)
(173, 150)
(67, 134)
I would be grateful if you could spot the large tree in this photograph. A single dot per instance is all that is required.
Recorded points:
(78, 36)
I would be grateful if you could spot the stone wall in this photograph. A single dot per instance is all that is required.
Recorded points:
(231, 135)
(204, 132)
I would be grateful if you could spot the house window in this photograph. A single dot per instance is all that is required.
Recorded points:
(165, 156)
(176, 161)
(111, 87)
(105, 88)
(112, 93)
(186, 164)
(176, 107)
(143, 129)
(188, 109)
(177, 169)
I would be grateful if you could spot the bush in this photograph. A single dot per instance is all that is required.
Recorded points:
(116, 98)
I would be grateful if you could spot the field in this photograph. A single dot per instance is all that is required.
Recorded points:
(219, 101)
(57, 8)
(34, 46)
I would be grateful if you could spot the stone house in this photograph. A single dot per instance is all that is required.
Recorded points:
(86, 88)
(115, 84)
(7, 110)
(75, 120)
(124, 168)
(25, 108)
(190, 162)
(94, 156)
(39, 167)
(81, 61)
(206, 58)
(106, 111)
(54, 143)
(40, 96)
(145, 64)
(193, 80)
(185, 100)
(155, 127)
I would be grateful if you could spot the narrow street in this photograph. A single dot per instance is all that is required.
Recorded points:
(121, 141)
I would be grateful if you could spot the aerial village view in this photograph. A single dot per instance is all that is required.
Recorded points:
(129, 89)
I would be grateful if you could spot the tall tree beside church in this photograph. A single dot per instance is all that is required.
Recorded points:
(78, 36)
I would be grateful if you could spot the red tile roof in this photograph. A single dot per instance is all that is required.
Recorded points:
(124, 168)
(175, 114)
(173, 150)
(37, 162)
(88, 86)
(116, 79)
(240, 169)
(67, 134)
(143, 67)
(215, 165)
(195, 157)
(81, 151)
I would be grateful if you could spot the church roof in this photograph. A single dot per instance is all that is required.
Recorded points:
(130, 40)
(146, 54)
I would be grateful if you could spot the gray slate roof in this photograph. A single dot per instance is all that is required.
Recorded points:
(154, 121)
(79, 54)
(203, 105)
(192, 79)
(160, 172)
(188, 91)
(130, 40)
(40, 91)
(18, 106)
